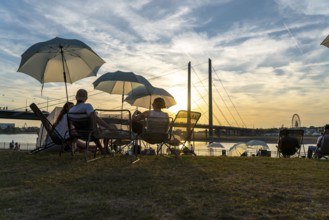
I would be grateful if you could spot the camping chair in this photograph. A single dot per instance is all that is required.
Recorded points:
(181, 132)
(290, 142)
(323, 150)
(83, 127)
(120, 138)
(155, 130)
(52, 133)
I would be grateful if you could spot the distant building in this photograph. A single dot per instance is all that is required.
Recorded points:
(7, 125)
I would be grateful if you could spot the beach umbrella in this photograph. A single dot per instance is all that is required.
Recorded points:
(216, 145)
(257, 144)
(122, 83)
(60, 60)
(143, 98)
(237, 149)
(325, 42)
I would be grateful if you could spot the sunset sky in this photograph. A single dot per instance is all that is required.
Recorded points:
(267, 60)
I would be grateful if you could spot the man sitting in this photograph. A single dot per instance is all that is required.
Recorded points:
(83, 107)
(321, 144)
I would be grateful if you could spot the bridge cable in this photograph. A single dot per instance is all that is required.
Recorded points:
(244, 125)
(205, 100)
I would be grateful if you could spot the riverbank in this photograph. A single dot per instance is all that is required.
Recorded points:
(28, 141)
(161, 187)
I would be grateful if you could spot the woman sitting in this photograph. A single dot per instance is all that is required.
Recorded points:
(138, 117)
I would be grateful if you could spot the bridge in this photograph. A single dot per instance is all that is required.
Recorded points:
(209, 129)
(218, 130)
(21, 115)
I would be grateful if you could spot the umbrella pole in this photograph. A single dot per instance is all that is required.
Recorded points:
(122, 99)
(122, 109)
(64, 74)
(123, 94)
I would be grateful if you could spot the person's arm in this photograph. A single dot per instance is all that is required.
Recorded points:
(318, 142)
(90, 110)
(139, 117)
(135, 115)
(102, 123)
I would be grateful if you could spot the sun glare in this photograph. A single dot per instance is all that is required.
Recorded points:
(181, 101)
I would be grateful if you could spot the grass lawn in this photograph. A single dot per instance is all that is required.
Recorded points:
(46, 186)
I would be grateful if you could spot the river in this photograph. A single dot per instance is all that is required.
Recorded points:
(28, 142)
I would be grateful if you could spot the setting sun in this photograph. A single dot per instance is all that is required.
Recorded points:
(181, 100)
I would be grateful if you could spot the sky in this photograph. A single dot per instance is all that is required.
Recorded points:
(267, 61)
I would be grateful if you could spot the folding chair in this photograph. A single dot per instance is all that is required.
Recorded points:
(155, 130)
(52, 133)
(83, 127)
(181, 131)
(290, 142)
(323, 150)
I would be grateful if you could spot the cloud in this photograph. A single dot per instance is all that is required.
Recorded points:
(319, 7)
(267, 56)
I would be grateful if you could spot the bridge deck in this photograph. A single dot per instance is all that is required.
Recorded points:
(23, 115)
(27, 115)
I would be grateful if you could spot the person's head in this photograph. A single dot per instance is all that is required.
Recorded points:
(326, 127)
(82, 95)
(65, 109)
(67, 106)
(158, 103)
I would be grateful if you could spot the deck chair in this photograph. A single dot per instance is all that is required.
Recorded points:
(323, 150)
(181, 131)
(290, 142)
(57, 139)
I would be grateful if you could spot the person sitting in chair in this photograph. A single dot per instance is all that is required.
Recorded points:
(61, 125)
(138, 123)
(288, 145)
(317, 149)
(158, 104)
(325, 132)
(83, 107)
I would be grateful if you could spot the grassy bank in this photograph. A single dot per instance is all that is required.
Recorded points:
(46, 186)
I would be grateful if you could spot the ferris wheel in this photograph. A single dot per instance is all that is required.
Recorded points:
(295, 121)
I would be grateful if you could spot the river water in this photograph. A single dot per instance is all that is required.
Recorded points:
(28, 142)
